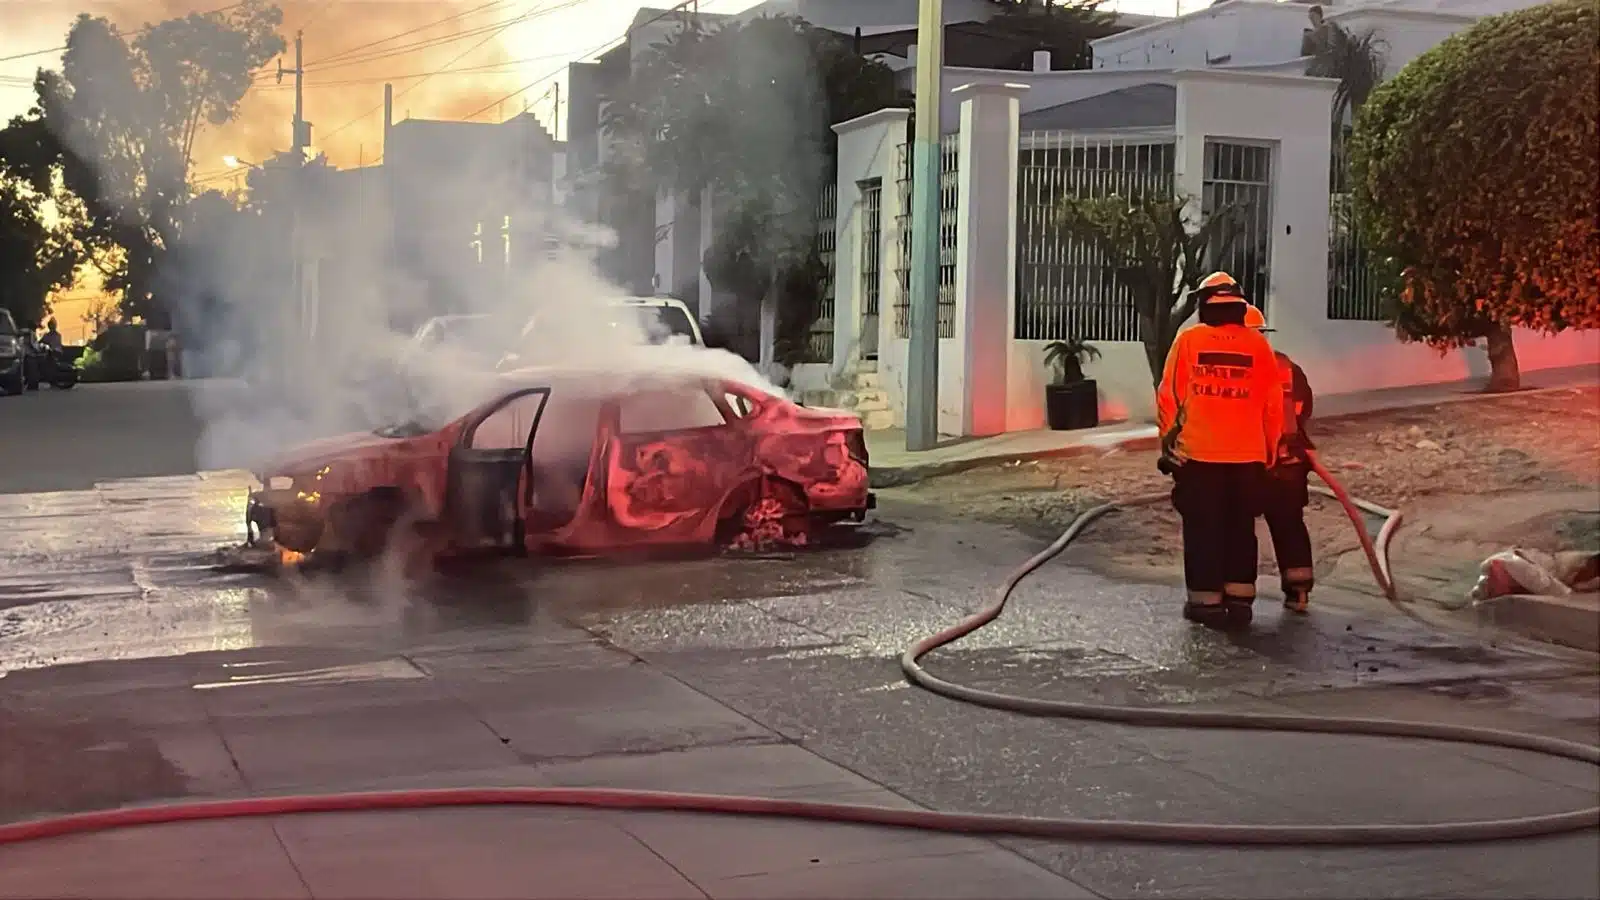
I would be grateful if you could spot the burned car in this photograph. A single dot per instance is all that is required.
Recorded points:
(568, 462)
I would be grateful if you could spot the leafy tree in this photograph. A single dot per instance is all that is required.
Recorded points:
(1152, 252)
(37, 256)
(747, 110)
(120, 121)
(1475, 179)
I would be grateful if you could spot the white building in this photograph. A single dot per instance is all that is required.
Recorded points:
(1214, 103)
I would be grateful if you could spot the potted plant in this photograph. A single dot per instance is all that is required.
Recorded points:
(1072, 400)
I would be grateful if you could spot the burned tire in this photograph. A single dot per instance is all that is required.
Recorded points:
(362, 525)
(300, 534)
(764, 514)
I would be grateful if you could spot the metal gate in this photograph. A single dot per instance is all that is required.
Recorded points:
(871, 265)
(1238, 177)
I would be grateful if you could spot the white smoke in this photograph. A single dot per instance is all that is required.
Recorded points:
(382, 250)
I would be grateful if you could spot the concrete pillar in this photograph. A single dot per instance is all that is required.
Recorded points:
(868, 146)
(708, 300)
(667, 207)
(986, 251)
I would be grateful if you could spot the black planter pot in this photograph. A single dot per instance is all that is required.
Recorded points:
(1071, 406)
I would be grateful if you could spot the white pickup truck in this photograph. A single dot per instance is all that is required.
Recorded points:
(663, 320)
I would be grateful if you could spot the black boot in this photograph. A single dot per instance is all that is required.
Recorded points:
(1205, 608)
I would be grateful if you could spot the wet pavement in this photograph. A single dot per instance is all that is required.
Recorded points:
(126, 654)
(131, 671)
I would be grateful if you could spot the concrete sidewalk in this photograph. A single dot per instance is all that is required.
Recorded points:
(893, 465)
(559, 710)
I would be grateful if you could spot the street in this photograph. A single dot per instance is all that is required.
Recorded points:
(133, 671)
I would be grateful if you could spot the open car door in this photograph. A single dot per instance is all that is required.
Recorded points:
(490, 468)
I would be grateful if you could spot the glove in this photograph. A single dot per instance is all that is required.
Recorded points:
(1166, 465)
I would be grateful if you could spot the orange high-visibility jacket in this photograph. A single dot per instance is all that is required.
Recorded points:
(1221, 396)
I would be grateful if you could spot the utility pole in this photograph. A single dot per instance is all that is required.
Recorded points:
(302, 129)
(300, 139)
(922, 381)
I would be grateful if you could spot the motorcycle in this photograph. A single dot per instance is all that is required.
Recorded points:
(44, 364)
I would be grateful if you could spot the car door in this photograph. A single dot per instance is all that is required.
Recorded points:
(673, 459)
(489, 476)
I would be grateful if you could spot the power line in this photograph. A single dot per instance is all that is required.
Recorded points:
(489, 68)
(414, 46)
(533, 13)
(460, 56)
(676, 10)
(410, 31)
(140, 30)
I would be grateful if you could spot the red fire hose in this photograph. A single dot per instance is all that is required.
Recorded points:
(968, 823)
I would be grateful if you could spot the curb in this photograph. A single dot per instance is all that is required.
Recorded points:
(1569, 621)
(900, 476)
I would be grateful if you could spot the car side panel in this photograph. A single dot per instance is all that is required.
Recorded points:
(670, 488)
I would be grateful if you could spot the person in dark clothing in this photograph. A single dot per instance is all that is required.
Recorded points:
(1286, 491)
(52, 336)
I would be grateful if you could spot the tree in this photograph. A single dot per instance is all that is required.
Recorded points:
(1356, 60)
(747, 110)
(37, 256)
(119, 123)
(1475, 179)
(1064, 27)
(1152, 252)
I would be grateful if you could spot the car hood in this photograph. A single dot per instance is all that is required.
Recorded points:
(316, 454)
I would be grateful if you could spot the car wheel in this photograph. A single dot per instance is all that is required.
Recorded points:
(12, 384)
(768, 513)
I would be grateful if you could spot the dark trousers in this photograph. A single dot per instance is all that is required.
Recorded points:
(1285, 495)
(1219, 503)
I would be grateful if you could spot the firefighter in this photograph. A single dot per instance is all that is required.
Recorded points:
(1286, 492)
(1219, 410)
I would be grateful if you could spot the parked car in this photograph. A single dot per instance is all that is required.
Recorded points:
(570, 461)
(663, 320)
(13, 355)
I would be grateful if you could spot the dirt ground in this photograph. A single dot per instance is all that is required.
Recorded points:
(1471, 477)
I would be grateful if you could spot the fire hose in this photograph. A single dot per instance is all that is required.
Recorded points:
(987, 824)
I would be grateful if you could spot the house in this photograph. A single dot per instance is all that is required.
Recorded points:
(661, 241)
(1215, 106)
(455, 211)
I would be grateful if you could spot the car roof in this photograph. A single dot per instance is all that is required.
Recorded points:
(649, 301)
(615, 376)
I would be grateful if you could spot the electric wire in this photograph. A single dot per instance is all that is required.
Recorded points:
(486, 39)
(140, 30)
(410, 31)
(556, 73)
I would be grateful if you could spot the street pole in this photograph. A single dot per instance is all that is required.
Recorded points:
(922, 376)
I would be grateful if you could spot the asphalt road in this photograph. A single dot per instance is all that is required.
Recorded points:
(131, 659)
(67, 440)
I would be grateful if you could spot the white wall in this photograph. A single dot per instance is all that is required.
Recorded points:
(1406, 34)
(868, 148)
(846, 15)
(1044, 89)
(1250, 31)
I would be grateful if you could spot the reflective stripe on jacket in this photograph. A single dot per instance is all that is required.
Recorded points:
(1221, 397)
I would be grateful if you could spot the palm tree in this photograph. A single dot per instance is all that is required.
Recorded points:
(1356, 60)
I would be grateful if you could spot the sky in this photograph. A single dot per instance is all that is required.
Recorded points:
(481, 64)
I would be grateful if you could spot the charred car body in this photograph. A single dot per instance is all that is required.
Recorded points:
(567, 462)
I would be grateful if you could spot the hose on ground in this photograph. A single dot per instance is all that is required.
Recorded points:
(965, 823)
